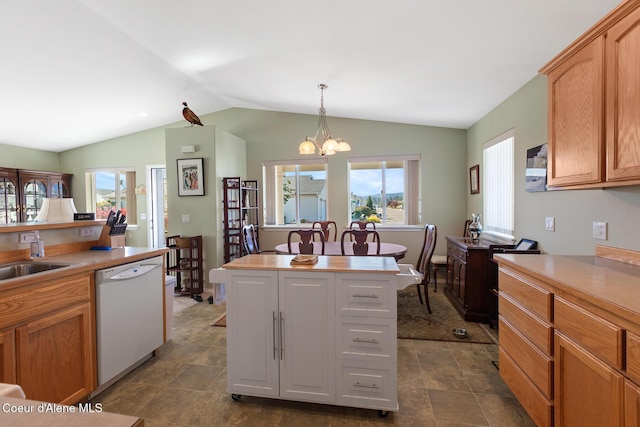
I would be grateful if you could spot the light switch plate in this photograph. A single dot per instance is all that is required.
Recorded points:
(550, 223)
(27, 237)
(186, 218)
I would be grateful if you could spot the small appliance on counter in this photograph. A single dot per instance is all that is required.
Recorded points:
(113, 233)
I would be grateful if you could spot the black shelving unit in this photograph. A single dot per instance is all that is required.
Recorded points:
(240, 207)
(184, 261)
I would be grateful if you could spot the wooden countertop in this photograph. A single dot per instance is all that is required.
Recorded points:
(48, 225)
(350, 264)
(84, 261)
(611, 285)
(44, 414)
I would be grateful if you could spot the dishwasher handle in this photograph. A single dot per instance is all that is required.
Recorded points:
(132, 272)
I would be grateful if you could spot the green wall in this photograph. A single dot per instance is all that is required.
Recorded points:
(574, 210)
(28, 158)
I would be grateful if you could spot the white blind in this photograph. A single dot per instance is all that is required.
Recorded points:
(498, 177)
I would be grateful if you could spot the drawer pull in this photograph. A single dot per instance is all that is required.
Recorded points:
(357, 384)
(374, 341)
(365, 296)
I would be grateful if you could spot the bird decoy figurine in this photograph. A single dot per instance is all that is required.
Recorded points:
(190, 116)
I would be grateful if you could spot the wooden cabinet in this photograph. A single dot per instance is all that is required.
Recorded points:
(22, 192)
(47, 339)
(622, 93)
(587, 390)
(240, 207)
(468, 278)
(570, 337)
(184, 261)
(285, 324)
(315, 336)
(593, 110)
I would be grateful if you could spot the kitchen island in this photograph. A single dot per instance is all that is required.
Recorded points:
(323, 333)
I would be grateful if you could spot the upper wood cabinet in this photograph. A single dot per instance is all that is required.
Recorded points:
(22, 191)
(594, 108)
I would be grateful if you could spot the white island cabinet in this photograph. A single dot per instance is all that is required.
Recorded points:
(323, 333)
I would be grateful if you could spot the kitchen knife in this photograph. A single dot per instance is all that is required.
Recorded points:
(110, 218)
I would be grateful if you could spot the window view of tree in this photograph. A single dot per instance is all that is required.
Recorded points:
(303, 192)
(377, 191)
(113, 190)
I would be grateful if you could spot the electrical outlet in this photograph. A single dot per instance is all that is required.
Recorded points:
(550, 223)
(186, 218)
(28, 237)
(600, 230)
(87, 231)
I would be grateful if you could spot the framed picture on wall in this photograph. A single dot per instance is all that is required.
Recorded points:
(190, 177)
(474, 179)
(536, 171)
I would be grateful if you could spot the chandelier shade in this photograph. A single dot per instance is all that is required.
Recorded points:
(323, 141)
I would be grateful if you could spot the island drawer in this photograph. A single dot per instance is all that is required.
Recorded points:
(366, 384)
(600, 336)
(371, 339)
(366, 295)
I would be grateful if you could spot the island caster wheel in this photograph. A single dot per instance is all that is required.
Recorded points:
(383, 414)
(236, 397)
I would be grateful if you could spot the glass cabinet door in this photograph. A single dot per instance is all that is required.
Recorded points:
(8, 202)
(35, 191)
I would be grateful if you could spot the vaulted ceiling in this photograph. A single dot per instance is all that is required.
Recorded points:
(74, 72)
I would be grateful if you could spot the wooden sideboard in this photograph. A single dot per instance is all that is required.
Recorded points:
(570, 336)
(468, 272)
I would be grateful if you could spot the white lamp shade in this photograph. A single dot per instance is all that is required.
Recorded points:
(56, 210)
(329, 146)
(307, 147)
(343, 146)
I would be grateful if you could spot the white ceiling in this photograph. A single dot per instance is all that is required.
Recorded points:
(77, 72)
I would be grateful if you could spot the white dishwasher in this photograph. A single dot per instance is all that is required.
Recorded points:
(129, 318)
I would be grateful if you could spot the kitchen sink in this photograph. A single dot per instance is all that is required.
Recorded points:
(24, 268)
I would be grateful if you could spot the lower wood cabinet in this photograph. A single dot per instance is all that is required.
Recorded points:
(46, 339)
(322, 337)
(588, 392)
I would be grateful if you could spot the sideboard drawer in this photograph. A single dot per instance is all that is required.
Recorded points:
(366, 295)
(633, 356)
(600, 336)
(537, 331)
(457, 252)
(535, 298)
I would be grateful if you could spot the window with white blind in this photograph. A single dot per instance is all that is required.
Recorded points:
(385, 190)
(497, 185)
(295, 192)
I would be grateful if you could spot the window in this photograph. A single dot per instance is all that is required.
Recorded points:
(385, 190)
(498, 186)
(295, 193)
(111, 189)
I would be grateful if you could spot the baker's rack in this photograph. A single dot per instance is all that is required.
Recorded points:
(184, 261)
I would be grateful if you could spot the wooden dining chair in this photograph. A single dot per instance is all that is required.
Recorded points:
(249, 241)
(360, 245)
(325, 226)
(361, 225)
(305, 244)
(424, 261)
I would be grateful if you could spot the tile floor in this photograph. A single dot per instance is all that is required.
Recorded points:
(443, 384)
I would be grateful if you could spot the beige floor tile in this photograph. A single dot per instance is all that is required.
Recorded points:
(504, 411)
(456, 406)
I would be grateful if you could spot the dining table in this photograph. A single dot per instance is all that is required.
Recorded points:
(333, 248)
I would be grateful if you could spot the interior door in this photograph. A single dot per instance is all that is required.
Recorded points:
(157, 202)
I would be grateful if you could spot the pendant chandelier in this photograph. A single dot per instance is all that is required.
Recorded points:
(326, 144)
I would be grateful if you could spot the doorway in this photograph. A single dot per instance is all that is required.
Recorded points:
(157, 206)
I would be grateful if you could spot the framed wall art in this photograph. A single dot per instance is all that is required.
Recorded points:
(190, 177)
(474, 179)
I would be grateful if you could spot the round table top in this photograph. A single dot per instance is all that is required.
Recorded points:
(333, 248)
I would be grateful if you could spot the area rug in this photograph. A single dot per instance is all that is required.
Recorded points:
(415, 322)
(220, 321)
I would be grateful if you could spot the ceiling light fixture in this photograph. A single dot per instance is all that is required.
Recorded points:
(326, 144)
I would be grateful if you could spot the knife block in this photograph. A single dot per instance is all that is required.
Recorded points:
(111, 241)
